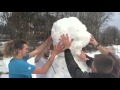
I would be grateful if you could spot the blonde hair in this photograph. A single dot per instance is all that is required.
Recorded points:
(11, 47)
(8, 48)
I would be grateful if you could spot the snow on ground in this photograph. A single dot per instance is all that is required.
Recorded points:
(117, 50)
(3, 69)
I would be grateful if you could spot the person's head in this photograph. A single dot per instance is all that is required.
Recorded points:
(14, 48)
(47, 52)
(102, 64)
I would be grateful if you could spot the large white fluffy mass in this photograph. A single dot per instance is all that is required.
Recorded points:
(77, 31)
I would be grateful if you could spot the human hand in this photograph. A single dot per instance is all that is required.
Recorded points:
(58, 48)
(93, 41)
(82, 56)
(65, 40)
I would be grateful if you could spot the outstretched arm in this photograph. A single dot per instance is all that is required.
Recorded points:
(42, 47)
(72, 66)
(38, 57)
(101, 48)
(57, 49)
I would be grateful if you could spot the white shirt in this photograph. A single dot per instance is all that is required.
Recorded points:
(40, 63)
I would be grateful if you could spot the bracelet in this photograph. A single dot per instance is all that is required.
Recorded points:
(98, 45)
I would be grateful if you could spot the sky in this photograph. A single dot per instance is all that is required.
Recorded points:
(115, 20)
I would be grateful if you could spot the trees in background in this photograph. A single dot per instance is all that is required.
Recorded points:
(30, 26)
(36, 26)
(110, 35)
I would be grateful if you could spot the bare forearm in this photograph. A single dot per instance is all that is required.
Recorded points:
(49, 63)
(38, 57)
(41, 48)
(103, 49)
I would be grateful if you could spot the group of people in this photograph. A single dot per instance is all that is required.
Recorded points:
(104, 65)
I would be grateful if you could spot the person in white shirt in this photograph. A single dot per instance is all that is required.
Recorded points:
(40, 60)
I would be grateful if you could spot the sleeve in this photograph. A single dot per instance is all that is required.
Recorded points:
(26, 68)
(72, 66)
(89, 61)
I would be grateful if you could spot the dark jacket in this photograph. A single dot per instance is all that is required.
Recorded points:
(76, 72)
(116, 68)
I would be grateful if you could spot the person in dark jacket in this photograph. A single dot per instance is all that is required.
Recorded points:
(116, 71)
(101, 67)
(105, 51)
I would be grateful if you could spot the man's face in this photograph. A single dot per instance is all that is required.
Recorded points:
(25, 50)
(47, 53)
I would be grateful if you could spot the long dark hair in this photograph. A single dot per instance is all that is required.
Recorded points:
(11, 47)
